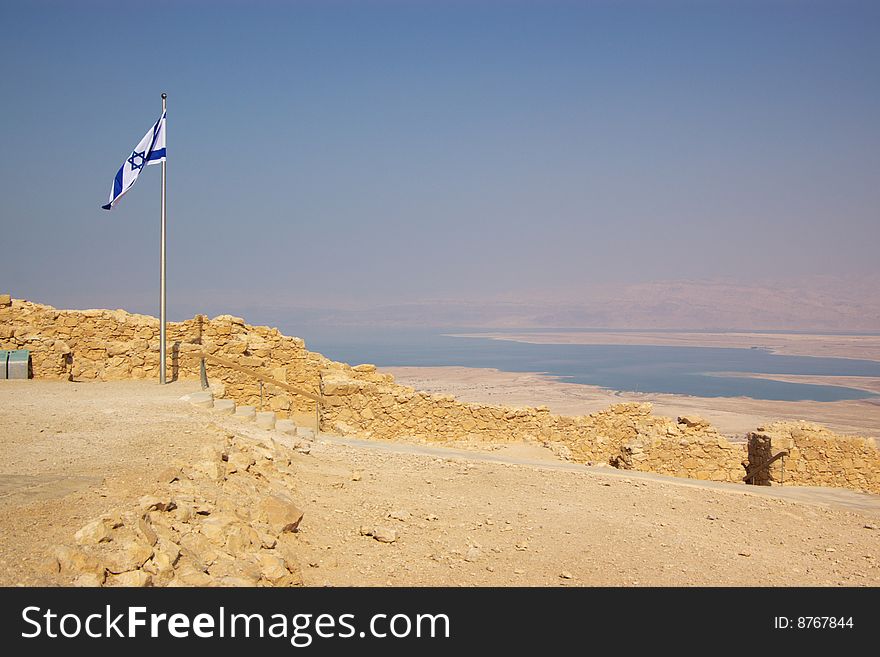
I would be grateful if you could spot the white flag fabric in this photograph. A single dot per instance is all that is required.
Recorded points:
(150, 150)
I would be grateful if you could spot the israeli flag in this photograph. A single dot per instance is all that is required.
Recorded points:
(150, 150)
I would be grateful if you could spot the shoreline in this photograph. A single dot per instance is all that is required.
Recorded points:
(867, 383)
(817, 345)
(732, 416)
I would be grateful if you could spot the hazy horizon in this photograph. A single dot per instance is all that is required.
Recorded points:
(607, 164)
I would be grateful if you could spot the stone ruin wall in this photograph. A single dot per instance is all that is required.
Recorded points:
(696, 451)
(816, 457)
(114, 345)
(625, 435)
(110, 345)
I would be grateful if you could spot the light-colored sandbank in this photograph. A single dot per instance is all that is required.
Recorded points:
(734, 416)
(791, 344)
(869, 383)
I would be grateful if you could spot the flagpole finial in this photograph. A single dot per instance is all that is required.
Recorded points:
(164, 95)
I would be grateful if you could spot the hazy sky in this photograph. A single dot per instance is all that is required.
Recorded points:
(338, 153)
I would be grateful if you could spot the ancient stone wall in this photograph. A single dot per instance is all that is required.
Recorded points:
(107, 345)
(694, 455)
(626, 435)
(816, 457)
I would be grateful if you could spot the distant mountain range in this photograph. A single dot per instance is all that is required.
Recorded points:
(821, 304)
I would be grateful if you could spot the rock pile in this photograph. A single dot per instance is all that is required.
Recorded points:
(227, 520)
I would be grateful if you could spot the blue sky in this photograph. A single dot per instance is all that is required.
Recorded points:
(346, 153)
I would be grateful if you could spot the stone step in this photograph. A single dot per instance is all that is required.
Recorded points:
(203, 399)
(266, 419)
(224, 406)
(286, 426)
(246, 412)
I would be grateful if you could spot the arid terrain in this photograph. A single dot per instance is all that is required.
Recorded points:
(734, 416)
(511, 515)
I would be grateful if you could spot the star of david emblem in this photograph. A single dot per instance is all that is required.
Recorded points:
(132, 160)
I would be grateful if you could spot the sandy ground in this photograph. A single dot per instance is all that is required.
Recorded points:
(513, 516)
(792, 344)
(734, 416)
(72, 451)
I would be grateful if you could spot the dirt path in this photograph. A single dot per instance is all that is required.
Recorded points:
(540, 457)
(513, 516)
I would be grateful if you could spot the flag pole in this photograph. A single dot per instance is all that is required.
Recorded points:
(162, 270)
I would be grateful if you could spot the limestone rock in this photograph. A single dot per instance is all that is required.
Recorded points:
(168, 475)
(216, 527)
(189, 576)
(73, 561)
(89, 580)
(153, 503)
(145, 531)
(198, 549)
(280, 513)
(385, 534)
(134, 578)
(165, 556)
(97, 531)
(693, 421)
(237, 581)
(130, 555)
(272, 567)
(242, 539)
(214, 470)
(240, 462)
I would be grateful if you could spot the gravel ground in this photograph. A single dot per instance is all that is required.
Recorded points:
(72, 451)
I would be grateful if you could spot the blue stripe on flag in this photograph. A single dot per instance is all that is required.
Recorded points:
(117, 183)
(156, 155)
(117, 188)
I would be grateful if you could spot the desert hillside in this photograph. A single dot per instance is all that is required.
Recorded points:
(125, 483)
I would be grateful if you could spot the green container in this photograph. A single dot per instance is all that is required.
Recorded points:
(18, 364)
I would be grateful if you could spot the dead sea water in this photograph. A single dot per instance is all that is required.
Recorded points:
(637, 368)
